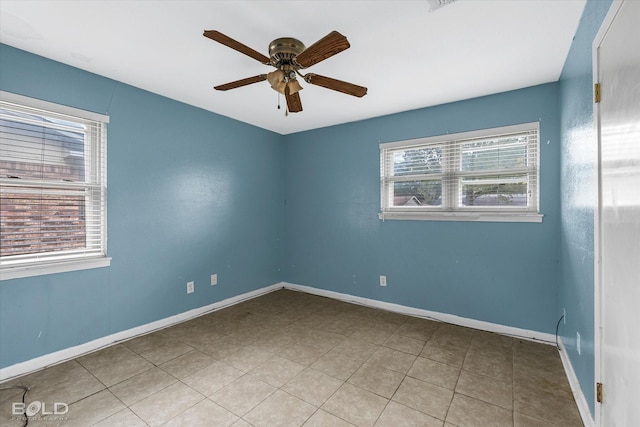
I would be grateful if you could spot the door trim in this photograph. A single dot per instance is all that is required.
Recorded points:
(597, 234)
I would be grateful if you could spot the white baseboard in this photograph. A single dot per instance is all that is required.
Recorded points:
(578, 396)
(72, 352)
(541, 337)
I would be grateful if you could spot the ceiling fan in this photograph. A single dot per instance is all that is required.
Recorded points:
(289, 56)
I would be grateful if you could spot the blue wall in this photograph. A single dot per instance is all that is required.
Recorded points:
(190, 193)
(578, 190)
(505, 273)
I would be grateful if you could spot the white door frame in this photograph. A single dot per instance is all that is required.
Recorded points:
(597, 234)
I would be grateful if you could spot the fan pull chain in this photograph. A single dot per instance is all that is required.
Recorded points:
(286, 110)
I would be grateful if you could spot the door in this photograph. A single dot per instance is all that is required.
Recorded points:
(617, 62)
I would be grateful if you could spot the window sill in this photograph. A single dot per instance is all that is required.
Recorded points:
(463, 216)
(8, 273)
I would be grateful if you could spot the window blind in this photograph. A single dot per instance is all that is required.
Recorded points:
(53, 186)
(494, 170)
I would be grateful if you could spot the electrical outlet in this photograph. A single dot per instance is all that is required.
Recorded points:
(578, 343)
(190, 287)
(383, 280)
(214, 279)
(564, 316)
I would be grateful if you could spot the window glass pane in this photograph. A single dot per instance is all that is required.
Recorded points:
(417, 161)
(36, 220)
(490, 154)
(494, 191)
(417, 193)
(38, 147)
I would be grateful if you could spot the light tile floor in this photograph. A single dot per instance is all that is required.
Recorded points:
(292, 359)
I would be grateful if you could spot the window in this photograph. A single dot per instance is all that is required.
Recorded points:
(52, 188)
(487, 175)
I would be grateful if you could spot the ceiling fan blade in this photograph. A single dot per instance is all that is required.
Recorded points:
(338, 85)
(242, 82)
(294, 104)
(326, 47)
(236, 45)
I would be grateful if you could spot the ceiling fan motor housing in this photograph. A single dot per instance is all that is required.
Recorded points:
(283, 50)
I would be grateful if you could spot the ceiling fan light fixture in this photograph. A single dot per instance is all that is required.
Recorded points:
(294, 86)
(275, 78)
(279, 87)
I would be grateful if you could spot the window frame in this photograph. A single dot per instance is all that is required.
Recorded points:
(451, 176)
(19, 266)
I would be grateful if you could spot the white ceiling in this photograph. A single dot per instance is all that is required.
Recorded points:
(407, 55)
